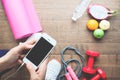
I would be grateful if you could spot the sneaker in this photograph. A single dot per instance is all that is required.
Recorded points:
(53, 69)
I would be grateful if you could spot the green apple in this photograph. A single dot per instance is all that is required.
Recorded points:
(98, 33)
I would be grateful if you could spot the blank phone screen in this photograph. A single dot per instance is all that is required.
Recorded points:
(39, 51)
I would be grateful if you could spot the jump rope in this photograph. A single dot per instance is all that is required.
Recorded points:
(66, 70)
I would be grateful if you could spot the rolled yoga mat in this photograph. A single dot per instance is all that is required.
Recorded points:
(29, 7)
(18, 13)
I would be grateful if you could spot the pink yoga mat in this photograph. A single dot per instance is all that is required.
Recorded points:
(31, 12)
(19, 16)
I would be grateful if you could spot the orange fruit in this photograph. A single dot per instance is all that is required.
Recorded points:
(92, 24)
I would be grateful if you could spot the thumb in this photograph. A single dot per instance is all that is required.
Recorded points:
(30, 69)
(25, 46)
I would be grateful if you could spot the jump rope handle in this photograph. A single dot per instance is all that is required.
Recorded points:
(72, 73)
(68, 77)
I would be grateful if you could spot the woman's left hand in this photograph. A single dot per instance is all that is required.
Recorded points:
(15, 55)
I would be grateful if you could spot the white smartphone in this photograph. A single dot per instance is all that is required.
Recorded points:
(40, 51)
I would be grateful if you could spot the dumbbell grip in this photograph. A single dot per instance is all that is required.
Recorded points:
(84, 78)
(90, 62)
(96, 77)
(68, 77)
(72, 73)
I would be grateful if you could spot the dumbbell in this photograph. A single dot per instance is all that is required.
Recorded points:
(89, 68)
(84, 78)
(101, 74)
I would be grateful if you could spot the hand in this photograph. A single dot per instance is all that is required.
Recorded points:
(39, 74)
(15, 55)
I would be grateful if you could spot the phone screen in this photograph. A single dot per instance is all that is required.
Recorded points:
(39, 51)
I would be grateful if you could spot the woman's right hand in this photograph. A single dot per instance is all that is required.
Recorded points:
(40, 73)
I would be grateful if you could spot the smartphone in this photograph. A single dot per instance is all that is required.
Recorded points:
(40, 51)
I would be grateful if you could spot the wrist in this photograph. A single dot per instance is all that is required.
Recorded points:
(3, 64)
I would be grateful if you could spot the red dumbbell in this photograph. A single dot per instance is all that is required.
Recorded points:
(89, 68)
(101, 74)
(84, 78)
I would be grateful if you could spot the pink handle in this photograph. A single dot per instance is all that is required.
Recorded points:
(72, 73)
(67, 75)
(31, 12)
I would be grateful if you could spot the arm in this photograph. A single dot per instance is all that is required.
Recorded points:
(14, 56)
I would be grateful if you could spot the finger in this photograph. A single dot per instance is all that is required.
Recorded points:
(20, 61)
(22, 56)
(32, 41)
(31, 69)
(26, 45)
(42, 68)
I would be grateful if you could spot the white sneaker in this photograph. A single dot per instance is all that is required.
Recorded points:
(53, 69)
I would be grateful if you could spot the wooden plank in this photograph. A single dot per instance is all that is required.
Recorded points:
(55, 18)
(102, 48)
